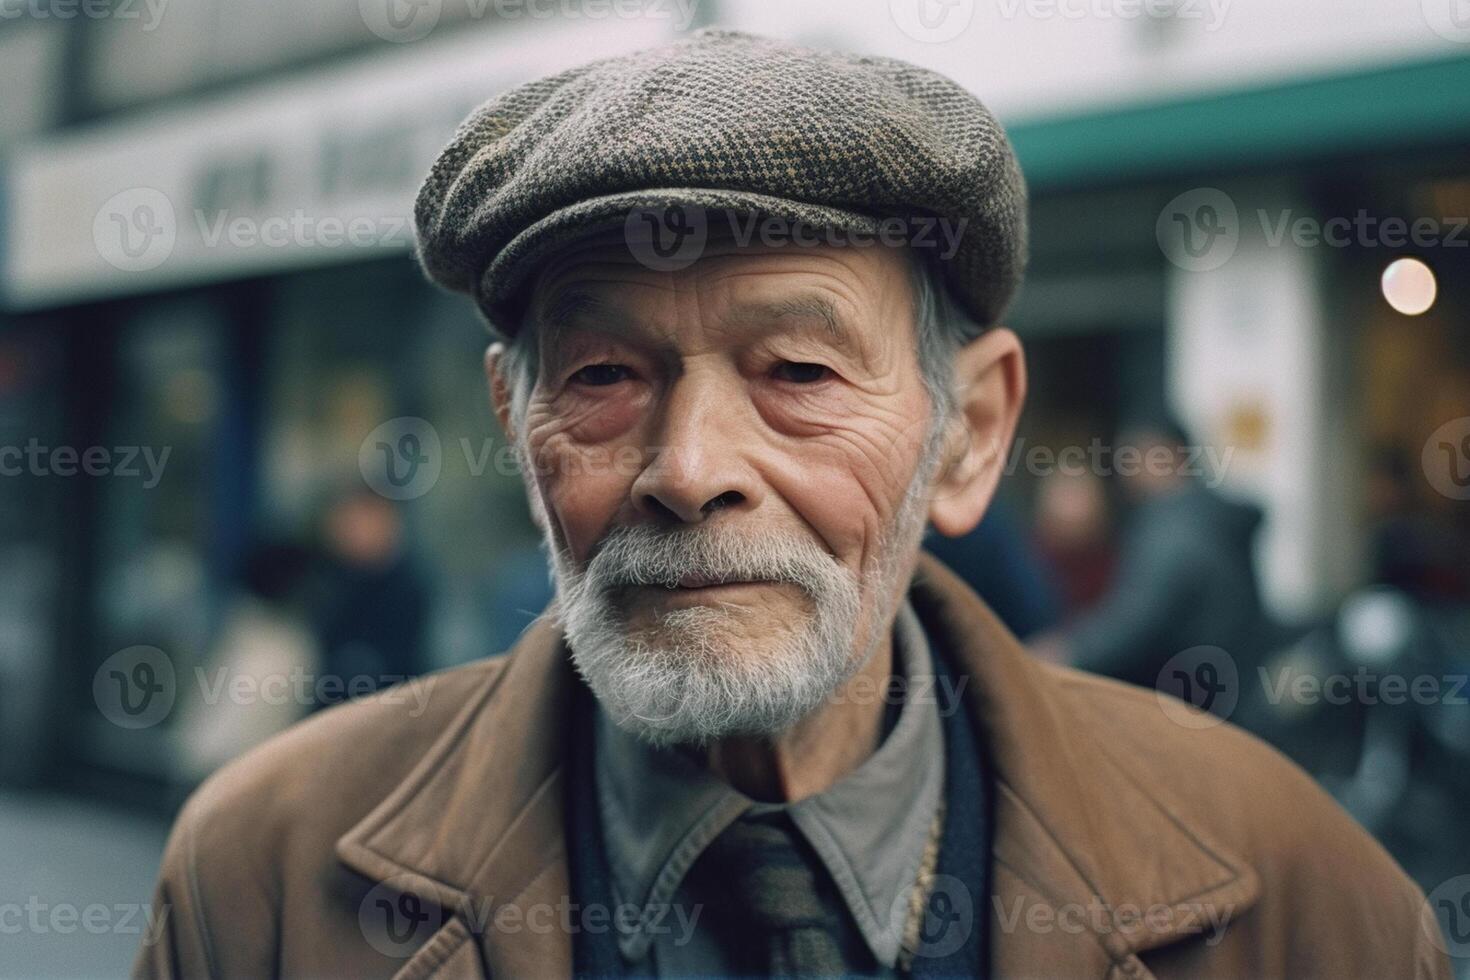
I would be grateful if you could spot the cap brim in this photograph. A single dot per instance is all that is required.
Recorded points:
(511, 271)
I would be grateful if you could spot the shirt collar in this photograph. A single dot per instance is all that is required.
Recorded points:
(660, 810)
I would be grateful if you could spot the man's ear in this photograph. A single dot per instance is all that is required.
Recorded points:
(499, 388)
(990, 387)
(500, 400)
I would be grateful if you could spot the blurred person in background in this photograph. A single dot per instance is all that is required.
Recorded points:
(1411, 549)
(374, 599)
(1074, 537)
(1186, 571)
(251, 686)
(999, 561)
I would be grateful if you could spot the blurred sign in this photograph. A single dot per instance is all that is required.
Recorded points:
(301, 171)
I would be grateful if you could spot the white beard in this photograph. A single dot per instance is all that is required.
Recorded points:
(694, 677)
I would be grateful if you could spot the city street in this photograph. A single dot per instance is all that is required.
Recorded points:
(75, 886)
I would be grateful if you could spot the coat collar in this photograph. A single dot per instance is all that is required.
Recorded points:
(477, 826)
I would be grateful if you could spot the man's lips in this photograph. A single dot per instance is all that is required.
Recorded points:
(696, 590)
(711, 582)
(697, 584)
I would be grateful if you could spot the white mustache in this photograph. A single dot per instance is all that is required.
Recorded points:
(644, 555)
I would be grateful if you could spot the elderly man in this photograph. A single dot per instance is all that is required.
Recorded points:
(745, 297)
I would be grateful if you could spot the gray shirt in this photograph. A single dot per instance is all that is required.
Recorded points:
(660, 809)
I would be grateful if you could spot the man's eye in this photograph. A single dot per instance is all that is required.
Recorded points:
(801, 372)
(601, 374)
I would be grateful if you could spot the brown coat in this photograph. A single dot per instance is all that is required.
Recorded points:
(1124, 841)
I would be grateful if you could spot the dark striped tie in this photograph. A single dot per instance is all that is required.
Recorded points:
(776, 892)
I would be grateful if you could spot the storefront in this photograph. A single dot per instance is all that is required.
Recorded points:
(216, 304)
(1275, 340)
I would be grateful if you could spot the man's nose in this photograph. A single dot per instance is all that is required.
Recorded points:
(699, 466)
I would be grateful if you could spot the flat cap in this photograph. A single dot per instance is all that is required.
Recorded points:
(731, 123)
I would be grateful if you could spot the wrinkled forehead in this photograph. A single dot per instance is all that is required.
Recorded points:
(612, 279)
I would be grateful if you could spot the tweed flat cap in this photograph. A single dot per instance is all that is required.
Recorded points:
(730, 123)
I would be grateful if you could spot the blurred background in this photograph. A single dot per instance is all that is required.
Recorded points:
(248, 468)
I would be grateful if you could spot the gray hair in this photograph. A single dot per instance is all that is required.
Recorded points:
(942, 325)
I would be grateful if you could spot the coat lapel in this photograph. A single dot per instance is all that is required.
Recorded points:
(1080, 848)
(477, 827)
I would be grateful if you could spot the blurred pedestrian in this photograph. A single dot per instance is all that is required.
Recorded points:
(1411, 549)
(1000, 563)
(1074, 537)
(375, 602)
(250, 688)
(1185, 576)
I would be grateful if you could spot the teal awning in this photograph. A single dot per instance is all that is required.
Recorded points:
(1420, 104)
